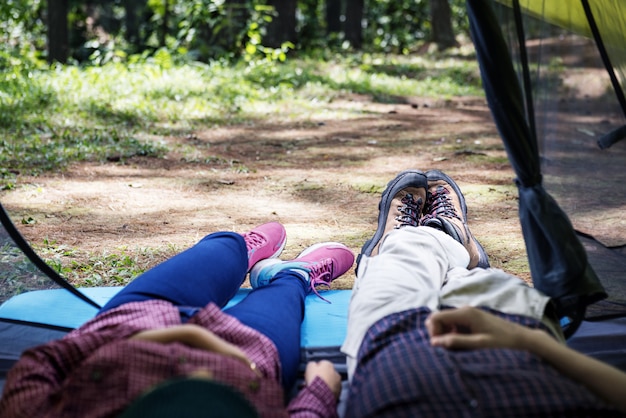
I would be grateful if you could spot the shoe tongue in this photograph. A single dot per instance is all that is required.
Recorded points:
(254, 238)
(303, 273)
(433, 223)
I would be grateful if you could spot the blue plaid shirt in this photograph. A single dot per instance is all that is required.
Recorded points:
(399, 374)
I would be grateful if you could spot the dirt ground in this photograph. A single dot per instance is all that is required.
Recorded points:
(321, 176)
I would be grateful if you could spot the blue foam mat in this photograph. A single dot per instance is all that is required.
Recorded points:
(324, 323)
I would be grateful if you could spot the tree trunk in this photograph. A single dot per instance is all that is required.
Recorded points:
(164, 24)
(236, 22)
(282, 28)
(441, 23)
(333, 16)
(131, 22)
(353, 26)
(58, 43)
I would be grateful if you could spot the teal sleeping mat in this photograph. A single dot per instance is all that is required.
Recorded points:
(324, 323)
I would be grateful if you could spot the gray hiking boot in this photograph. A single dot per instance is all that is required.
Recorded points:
(400, 205)
(446, 210)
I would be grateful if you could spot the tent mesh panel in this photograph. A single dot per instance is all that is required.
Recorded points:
(18, 274)
(575, 105)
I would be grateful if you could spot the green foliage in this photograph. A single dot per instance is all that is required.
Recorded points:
(182, 65)
(396, 25)
(22, 30)
(52, 118)
(205, 30)
(100, 269)
(15, 268)
(198, 29)
(19, 274)
(400, 26)
(311, 26)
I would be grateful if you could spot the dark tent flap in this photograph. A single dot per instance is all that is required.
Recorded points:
(555, 254)
(503, 93)
(558, 262)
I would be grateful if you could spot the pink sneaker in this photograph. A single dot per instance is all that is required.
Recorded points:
(319, 264)
(265, 241)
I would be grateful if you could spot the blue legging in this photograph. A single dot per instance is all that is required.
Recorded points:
(212, 271)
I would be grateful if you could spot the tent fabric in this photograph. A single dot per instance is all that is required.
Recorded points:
(610, 16)
(557, 259)
(602, 20)
(602, 340)
(609, 264)
(574, 110)
(22, 269)
(56, 308)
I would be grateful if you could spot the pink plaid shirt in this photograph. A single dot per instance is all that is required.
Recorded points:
(96, 371)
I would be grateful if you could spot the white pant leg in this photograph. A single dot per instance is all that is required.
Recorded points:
(408, 272)
(498, 290)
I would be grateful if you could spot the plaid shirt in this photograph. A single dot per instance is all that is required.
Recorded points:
(399, 374)
(96, 371)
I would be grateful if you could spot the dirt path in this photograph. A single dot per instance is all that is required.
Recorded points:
(320, 177)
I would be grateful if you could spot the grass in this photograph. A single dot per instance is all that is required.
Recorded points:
(52, 117)
(18, 273)
(107, 268)
(115, 268)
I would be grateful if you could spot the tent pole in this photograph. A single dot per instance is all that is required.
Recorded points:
(604, 54)
(519, 25)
